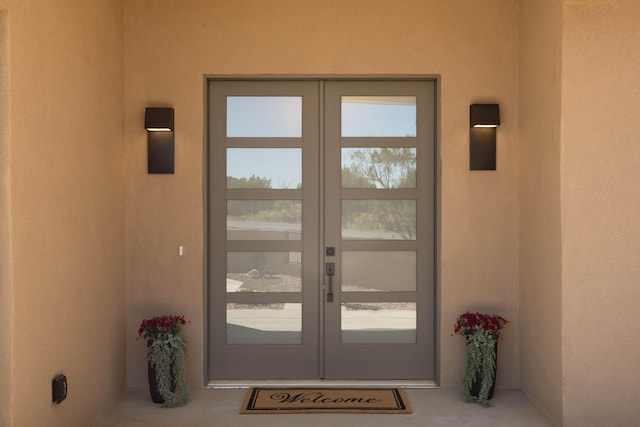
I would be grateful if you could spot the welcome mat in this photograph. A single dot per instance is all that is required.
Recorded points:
(286, 400)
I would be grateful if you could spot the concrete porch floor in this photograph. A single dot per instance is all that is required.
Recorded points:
(431, 407)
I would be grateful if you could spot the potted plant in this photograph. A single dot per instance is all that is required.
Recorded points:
(482, 332)
(166, 359)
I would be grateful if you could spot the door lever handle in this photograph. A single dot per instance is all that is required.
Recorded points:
(330, 270)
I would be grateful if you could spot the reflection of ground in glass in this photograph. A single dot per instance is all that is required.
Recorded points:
(263, 324)
(267, 283)
(273, 323)
(378, 323)
(241, 282)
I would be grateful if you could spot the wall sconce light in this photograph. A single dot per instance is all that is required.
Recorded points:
(160, 145)
(484, 119)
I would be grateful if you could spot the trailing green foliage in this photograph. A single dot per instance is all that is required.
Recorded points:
(481, 359)
(167, 356)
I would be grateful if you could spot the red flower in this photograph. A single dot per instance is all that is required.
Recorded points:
(468, 323)
(160, 325)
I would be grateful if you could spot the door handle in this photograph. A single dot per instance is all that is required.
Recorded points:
(330, 270)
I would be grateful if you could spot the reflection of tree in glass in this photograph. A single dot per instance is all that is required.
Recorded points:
(251, 182)
(399, 216)
(386, 216)
(380, 168)
(383, 168)
(287, 211)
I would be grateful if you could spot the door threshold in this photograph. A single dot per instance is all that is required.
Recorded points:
(226, 384)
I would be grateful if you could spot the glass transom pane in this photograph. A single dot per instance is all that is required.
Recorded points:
(379, 219)
(276, 168)
(377, 271)
(373, 167)
(264, 116)
(272, 323)
(378, 323)
(264, 219)
(264, 272)
(378, 116)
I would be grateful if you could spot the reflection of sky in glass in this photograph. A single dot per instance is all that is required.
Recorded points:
(264, 116)
(283, 166)
(378, 116)
(281, 117)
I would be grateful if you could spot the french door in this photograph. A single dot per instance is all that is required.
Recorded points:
(321, 229)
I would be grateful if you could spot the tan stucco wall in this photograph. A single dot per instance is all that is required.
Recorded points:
(471, 44)
(5, 265)
(567, 84)
(600, 205)
(540, 244)
(67, 208)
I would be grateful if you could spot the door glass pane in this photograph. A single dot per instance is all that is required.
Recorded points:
(379, 219)
(264, 116)
(264, 168)
(378, 271)
(264, 272)
(264, 219)
(378, 323)
(274, 323)
(378, 167)
(378, 116)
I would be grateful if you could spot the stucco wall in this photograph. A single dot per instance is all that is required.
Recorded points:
(63, 161)
(600, 205)
(5, 265)
(471, 44)
(540, 243)
(67, 208)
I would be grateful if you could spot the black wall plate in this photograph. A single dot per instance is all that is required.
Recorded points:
(59, 388)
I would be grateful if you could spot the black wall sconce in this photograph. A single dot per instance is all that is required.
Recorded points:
(484, 119)
(160, 145)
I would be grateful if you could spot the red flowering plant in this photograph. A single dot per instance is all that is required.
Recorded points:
(160, 326)
(166, 353)
(468, 323)
(482, 332)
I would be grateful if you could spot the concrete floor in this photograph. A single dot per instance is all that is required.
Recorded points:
(431, 407)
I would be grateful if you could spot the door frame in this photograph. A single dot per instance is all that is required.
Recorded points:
(437, 167)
